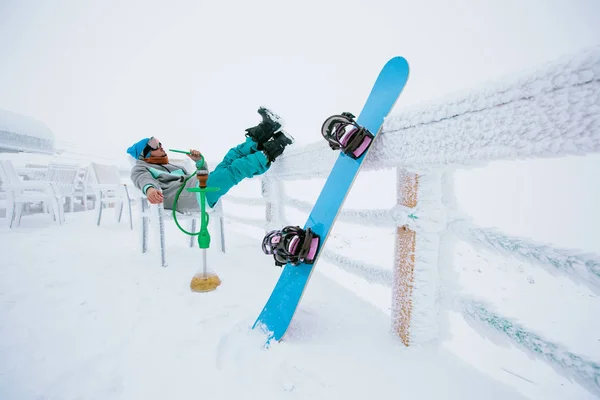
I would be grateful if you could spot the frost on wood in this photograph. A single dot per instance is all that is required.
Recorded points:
(259, 223)
(307, 162)
(549, 111)
(403, 283)
(272, 193)
(580, 268)
(415, 305)
(369, 272)
(375, 217)
(251, 201)
(486, 321)
(426, 308)
(415, 301)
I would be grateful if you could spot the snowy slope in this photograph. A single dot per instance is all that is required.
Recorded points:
(83, 314)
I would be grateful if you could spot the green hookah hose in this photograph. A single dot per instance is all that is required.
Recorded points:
(203, 234)
(175, 210)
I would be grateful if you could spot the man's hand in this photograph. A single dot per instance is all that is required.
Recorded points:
(195, 155)
(154, 196)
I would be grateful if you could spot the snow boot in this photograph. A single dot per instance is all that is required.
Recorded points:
(271, 124)
(274, 147)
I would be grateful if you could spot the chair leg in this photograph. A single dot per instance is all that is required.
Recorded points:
(19, 213)
(161, 223)
(222, 233)
(193, 238)
(129, 205)
(58, 211)
(130, 216)
(10, 214)
(99, 213)
(145, 207)
(10, 208)
(61, 209)
(120, 210)
(220, 214)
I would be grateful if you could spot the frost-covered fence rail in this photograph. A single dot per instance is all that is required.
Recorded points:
(259, 223)
(582, 268)
(550, 111)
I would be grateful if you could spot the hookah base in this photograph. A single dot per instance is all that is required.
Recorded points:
(204, 282)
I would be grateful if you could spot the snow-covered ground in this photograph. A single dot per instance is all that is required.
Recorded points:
(85, 315)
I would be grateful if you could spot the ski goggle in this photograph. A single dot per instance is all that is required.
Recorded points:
(153, 144)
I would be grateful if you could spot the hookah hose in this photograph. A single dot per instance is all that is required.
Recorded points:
(204, 215)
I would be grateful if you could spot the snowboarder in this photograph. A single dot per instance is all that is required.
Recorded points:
(160, 180)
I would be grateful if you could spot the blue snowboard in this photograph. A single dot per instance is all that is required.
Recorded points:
(281, 306)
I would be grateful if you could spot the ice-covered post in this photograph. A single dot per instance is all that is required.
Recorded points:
(272, 192)
(404, 264)
(421, 217)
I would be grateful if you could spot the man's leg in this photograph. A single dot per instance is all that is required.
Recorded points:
(226, 177)
(241, 150)
(256, 137)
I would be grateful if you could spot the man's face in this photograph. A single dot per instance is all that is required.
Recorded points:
(158, 151)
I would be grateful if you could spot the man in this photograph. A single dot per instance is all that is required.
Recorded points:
(160, 180)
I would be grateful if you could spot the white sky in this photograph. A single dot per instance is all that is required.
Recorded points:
(193, 73)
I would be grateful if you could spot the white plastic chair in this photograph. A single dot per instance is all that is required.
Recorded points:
(64, 177)
(109, 190)
(20, 193)
(83, 188)
(148, 212)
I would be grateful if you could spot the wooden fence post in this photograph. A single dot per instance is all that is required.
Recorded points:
(421, 223)
(407, 185)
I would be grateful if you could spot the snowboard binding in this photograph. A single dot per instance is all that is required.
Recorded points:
(291, 245)
(343, 133)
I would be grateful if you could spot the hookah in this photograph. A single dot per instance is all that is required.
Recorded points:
(204, 280)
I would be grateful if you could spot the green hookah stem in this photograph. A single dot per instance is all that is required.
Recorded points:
(202, 228)
(204, 235)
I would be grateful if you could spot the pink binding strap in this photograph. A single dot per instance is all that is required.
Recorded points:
(347, 135)
(314, 245)
(293, 244)
(363, 146)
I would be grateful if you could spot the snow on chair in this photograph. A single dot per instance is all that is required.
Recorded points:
(109, 190)
(64, 177)
(20, 192)
(83, 188)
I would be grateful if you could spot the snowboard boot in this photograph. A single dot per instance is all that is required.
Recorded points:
(266, 129)
(274, 147)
